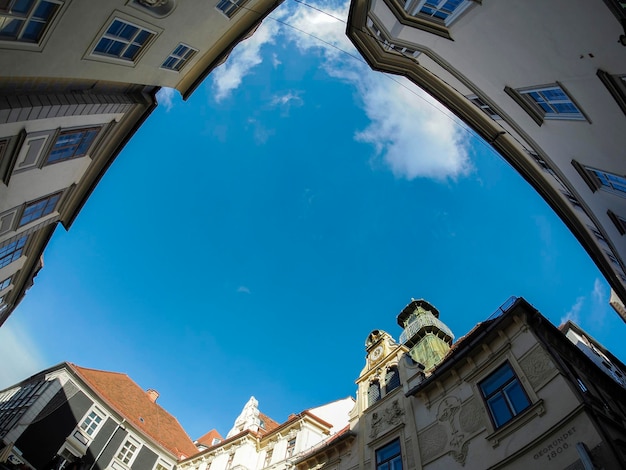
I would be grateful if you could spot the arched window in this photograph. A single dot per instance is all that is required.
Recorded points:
(392, 379)
(373, 393)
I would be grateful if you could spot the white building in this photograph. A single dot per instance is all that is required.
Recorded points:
(544, 83)
(258, 442)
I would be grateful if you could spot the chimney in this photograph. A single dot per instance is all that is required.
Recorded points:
(152, 395)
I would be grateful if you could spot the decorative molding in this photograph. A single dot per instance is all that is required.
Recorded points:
(471, 416)
(537, 367)
(388, 417)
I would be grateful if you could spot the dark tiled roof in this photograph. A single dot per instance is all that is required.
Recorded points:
(133, 403)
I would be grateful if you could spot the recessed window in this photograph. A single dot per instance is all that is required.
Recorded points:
(606, 181)
(91, 422)
(127, 452)
(6, 283)
(389, 457)
(26, 20)
(484, 106)
(504, 395)
(12, 251)
(291, 446)
(230, 7)
(392, 379)
(546, 102)
(373, 393)
(123, 40)
(179, 57)
(72, 144)
(39, 208)
(445, 11)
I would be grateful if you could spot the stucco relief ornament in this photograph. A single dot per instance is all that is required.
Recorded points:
(390, 416)
(448, 411)
(152, 3)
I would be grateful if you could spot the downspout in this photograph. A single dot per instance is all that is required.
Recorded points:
(106, 444)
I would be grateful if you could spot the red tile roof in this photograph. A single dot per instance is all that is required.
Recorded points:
(133, 403)
(270, 424)
(207, 439)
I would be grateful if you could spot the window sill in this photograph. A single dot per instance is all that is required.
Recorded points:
(536, 409)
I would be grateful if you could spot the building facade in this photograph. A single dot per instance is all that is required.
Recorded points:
(544, 83)
(514, 393)
(96, 419)
(70, 102)
(258, 442)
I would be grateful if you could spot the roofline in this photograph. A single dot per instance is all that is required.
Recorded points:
(72, 367)
(229, 49)
(469, 342)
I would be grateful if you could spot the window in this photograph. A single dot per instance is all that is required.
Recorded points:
(123, 40)
(445, 11)
(484, 106)
(12, 251)
(610, 182)
(392, 379)
(72, 144)
(40, 208)
(91, 422)
(389, 457)
(546, 102)
(504, 395)
(6, 283)
(26, 20)
(179, 57)
(373, 393)
(268, 457)
(230, 7)
(127, 452)
(291, 446)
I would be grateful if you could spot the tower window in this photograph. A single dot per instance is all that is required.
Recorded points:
(392, 379)
(373, 393)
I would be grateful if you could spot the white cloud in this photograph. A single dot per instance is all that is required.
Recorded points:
(286, 100)
(408, 131)
(243, 290)
(242, 60)
(574, 312)
(20, 356)
(165, 97)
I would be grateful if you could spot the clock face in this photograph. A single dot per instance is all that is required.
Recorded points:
(376, 353)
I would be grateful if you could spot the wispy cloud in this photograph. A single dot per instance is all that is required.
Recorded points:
(20, 356)
(589, 311)
(243, 59)
(573, 314)
(261, 133)
(165, 97)
(286, 100)
(243, 290)
(407, 129)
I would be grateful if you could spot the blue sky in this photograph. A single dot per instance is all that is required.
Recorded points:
(247, 241)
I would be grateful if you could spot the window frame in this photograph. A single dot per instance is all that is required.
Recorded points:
(291, 447)
(92, 132)
(19, 246)
(28, 18)
(46, 210)
(123, 451)
(522, 96)
(484, 106)
(386, 463)
(6, 283)
(415, 8)
(501, 391)
(229, 8)
(619, 221)
(180, 61)
(117, 58)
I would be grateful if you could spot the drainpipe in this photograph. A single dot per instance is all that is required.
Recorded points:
(107, 443)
